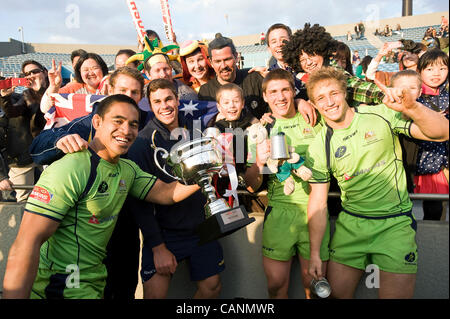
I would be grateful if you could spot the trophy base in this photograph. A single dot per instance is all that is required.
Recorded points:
(222, 224)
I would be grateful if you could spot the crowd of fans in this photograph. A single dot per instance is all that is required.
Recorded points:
(212, 72)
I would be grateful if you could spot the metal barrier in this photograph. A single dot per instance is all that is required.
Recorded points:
(413, 196)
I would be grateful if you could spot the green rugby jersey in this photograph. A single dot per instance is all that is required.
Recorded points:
(366, 159)
(298, 134)
(86, 220)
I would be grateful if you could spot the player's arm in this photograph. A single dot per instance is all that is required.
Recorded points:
(317, 224)
(169, 193)
(427, 124)
(23, 259)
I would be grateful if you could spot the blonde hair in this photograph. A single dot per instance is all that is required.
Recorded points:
(326, 73)
(229, 87)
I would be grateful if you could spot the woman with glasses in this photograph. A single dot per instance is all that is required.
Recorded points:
(23, 121)
(90, 71)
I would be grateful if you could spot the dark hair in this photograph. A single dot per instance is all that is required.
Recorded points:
(157, 84)
(152, 34)
(220, 43)
(40, 66)
(431, 57)
(107, 102)
(27, 62)
(129, 53)
(278, 74)
(343, 53)
(311, 40)
(94, 56)
(365, 63)
(278, 26)
(75, 53)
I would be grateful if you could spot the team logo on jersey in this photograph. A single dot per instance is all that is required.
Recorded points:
(308, 132)
(41, 194)
(340, 151)
(103, 187)
(370, 136)
(93, 220)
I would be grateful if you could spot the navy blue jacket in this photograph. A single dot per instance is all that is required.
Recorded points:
(182, 217)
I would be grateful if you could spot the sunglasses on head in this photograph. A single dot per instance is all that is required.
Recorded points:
(34, 71)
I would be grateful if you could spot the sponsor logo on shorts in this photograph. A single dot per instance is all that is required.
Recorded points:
(410, 259)
(41, 194)
(267, 248)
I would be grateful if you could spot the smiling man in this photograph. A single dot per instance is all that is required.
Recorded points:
(171, 238)
(223, 56)
(285, 231)
(361, 148)
(73, 209)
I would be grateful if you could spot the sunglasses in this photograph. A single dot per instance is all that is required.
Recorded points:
(34, 71)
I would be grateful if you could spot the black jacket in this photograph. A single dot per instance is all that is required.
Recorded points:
(182, 217)
(24, 121)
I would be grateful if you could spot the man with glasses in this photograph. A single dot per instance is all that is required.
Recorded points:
(24, 122)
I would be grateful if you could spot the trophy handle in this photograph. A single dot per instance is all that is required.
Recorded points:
(164, 156)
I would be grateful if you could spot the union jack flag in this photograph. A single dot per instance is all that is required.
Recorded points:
(67, 107)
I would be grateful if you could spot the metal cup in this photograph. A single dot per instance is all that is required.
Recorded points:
(321, 288)
(279, 147)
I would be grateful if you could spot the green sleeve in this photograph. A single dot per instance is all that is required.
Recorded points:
(59, 187)
(143, 182)
(316, 160)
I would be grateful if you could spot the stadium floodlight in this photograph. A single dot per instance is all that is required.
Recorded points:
(23, 42)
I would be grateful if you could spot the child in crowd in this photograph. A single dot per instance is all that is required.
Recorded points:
(432, 158)
(232, 121)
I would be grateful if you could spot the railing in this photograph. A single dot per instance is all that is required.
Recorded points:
(414, 196)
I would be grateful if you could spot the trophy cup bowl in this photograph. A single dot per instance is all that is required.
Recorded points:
(196, 162)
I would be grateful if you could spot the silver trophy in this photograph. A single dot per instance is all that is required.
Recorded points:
(196, 162)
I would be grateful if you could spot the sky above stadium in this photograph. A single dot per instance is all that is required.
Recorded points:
(109, 21)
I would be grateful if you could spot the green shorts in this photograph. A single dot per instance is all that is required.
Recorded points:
(90, 284)
(389, 243)
(285, 233)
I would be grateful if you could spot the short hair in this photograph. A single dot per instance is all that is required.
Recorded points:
(132, 73)
(404, 73)
(432, 57)
(147, 66)
(229, 87)
(157, 84)
(278, 26)
(220, 43)
(94, 56)
(129, 53)
(278, 74)
(105, 104)
(313, 40)
(326, 73)
(76, 53)
(152, 34)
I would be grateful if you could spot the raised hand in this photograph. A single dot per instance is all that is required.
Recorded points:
(54, 76)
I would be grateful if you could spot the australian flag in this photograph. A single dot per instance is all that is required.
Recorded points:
(67, 107)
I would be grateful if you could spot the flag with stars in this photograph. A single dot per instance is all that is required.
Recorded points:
(67, 107)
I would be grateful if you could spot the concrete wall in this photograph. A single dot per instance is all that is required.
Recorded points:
(244, 275)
